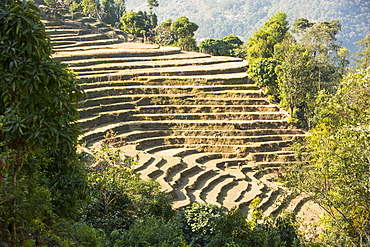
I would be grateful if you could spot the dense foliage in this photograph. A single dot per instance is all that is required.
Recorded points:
(183, 30)
(179, 33)
(262, 72)
(117, 195)
(43, 179)
(139, 24)
(227, 46)
(294, 67)
(262, 43)
(335, 162)
(208, 225)
(113, 9)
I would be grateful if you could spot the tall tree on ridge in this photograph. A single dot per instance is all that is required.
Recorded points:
(184, 31)
(262, 43)
(297, 80)
(133, 23)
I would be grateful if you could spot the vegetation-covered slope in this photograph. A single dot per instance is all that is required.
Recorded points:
(217, 19)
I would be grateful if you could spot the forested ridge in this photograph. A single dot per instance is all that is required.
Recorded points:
(217, 19)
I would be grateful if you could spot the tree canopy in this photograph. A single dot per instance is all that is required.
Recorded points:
(179, 33)
(152, 4)
(113, 9)
(227, 46)
(262, 43)
(184, 28)
(295, 67)
(335, 162)
(139, 23)
(133, 23)
(90, 7)
(42, 176)
(320, 37)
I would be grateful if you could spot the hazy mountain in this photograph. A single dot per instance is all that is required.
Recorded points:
(218, 18)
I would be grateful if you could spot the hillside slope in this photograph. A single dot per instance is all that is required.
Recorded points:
(217, 18)
(196, 123)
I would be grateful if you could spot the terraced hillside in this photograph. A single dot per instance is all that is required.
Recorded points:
(199, 126)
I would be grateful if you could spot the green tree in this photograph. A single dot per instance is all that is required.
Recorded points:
(164, 34)
(151, 22)
(133, 23)
(221, 47)
(152, 231)
(73, 8)
(238, 49)
(38, 94)
(262, 49)
(113, 9)
(184, 30)
(300, 25)
(262, 72)
(139, 23)
(199, 222)
(54, 6)
(90, 7)
(262, 43)
(208, 225)
(364, 54)
(297, 80)
(118, 196)
(232, 229)
(342, 60)
(316, 63)
(319, 37)
(38, 111)
(216, 47)
(109, 10)
(187, 44)
(233, 40)
(335, 165)
(241, 52)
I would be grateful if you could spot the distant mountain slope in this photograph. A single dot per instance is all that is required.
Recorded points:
(218, 18)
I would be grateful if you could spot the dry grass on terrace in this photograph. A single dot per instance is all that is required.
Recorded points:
(199, 126)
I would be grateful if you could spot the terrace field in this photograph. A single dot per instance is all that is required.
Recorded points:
(197, 124)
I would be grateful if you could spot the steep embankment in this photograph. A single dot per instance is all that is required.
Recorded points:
(199, 126)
